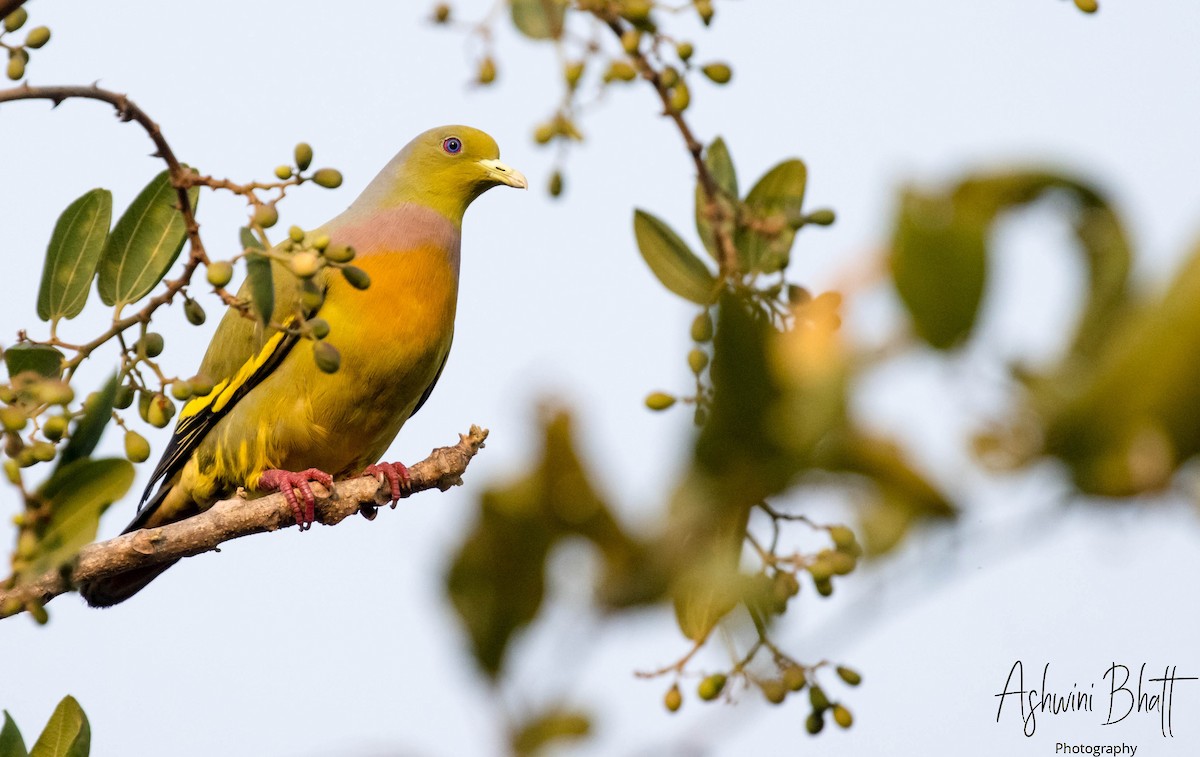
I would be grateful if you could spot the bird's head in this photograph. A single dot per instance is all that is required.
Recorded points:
(446, 169)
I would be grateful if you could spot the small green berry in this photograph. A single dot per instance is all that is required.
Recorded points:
(849, 675)
(16, 67)
(681, 97)
(319, 328)
(305, 264)
(219, 273)
(296, 234)
(814, 723)
(38, 36)
(330, 178)
(15, 20)
(151, 344)
(303, 155)
(137, 449)
(356, 277)
(774, 691)
(697, 361)
(842, 716)
(702, 328)
(339, 253)
(160, 411)
(327, 357)
(194, 312)
(685, 50)
(13, 419)
(794, 678)
(673, 699)
(659, 400)
(718, 73)
(181, 390)
(711, 687)
(55, 427)
(266, 216)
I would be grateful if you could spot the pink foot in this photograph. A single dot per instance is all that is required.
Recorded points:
(286, 481)
(395, 473)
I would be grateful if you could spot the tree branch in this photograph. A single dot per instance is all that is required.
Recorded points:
(238, 517)
(8, 6)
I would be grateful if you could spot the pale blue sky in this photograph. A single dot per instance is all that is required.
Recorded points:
(339, 641)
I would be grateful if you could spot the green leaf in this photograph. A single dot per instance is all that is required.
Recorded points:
(248, 240)
(497, 580)
(68, 733)
(549, 728)
(77, 494)
(144, 244)
(38, 358)
(88, 429)
(939, 264)
(11, 743)
(675, 265)
(73, 255)
(261, 286)
(774, 207)
(539, 19)
(720, 165)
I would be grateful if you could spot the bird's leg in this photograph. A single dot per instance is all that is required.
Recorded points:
(395, 473)
(285, 481)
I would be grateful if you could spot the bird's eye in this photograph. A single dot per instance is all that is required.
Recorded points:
(452, 145)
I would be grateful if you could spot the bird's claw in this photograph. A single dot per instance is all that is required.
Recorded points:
(396, 475)
(287, 481)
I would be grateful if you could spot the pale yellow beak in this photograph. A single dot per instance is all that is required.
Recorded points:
(505, 174)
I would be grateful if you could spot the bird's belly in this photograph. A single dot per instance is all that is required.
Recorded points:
(392, 338)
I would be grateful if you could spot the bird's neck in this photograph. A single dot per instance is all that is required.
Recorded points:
(396, 229)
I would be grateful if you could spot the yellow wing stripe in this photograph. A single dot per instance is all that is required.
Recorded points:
(202, 413)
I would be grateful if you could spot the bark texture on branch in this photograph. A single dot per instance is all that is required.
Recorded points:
(238, 517)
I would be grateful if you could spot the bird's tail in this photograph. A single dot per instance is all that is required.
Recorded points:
(106, 592)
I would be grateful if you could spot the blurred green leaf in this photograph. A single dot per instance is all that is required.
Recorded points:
(68, 733)
(549, 729)
(73, 254)
(497, 580)
(77, 494)
(1126, 420)
(939, 263)
(539, 19)
(261, 286)
(11, 743)
(738, 462)
(38, 358)
(774, 209)
(675, 265)
(96, 416)
(738, 445)
(144, 244)
(720, 165)
(941, 243)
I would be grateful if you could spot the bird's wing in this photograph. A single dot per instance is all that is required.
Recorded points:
(239, 357)
(429, 389)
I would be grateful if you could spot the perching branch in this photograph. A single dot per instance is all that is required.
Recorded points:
(238, 517)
